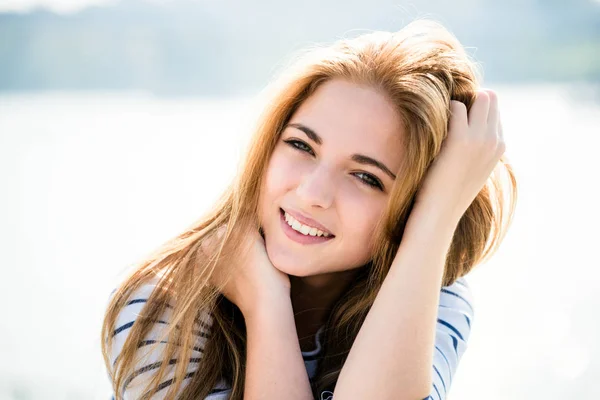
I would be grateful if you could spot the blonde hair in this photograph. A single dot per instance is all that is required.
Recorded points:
(420, 69)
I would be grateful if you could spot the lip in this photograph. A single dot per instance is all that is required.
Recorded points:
(307, 221)
(297, 236)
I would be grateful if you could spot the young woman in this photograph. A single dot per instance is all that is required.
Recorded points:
(333, 266)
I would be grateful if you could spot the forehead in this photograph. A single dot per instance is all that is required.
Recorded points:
(356, 117)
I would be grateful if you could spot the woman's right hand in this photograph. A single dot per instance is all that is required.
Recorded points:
(249, 280)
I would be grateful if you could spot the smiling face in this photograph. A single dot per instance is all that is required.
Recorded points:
(324, 168)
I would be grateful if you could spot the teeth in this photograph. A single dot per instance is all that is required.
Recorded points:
(304, 229)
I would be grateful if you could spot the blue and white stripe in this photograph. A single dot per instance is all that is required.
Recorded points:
(454, 319)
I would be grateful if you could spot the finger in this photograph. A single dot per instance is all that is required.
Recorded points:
(458, 117)
(500, 132)
(208, 243)
(478, 113)
(221, 231)
(492, 119)
(205, 246)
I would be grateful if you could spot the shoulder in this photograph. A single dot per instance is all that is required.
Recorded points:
(149, 353)
(458, 296)
(134, 307)
(455, 314)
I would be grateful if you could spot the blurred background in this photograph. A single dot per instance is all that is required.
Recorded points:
(122, 121)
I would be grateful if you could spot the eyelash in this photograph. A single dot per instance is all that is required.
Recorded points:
(376, 185)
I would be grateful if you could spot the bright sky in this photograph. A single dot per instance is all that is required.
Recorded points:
(59, 6)
(66, 6)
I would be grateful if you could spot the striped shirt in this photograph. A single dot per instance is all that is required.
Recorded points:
(455, 315)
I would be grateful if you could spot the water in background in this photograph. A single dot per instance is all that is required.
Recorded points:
(91, 182)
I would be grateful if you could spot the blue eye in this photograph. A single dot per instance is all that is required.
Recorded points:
(294, 144)
(370, 179)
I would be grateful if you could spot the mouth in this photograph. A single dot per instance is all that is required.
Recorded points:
(299, 237)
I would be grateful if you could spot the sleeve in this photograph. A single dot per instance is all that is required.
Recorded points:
(455, 315)
(150, 361)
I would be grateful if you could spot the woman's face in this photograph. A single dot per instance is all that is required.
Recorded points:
(318, 171)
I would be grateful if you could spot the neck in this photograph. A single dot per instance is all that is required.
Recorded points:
(314, 296)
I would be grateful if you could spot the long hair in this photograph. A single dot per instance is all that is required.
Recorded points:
(420, 69)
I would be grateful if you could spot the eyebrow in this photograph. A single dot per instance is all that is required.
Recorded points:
(359, 158)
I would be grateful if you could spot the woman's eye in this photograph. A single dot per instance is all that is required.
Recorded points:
(369, 179)
(302, 146)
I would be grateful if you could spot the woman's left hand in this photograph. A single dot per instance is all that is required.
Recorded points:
(469, 154)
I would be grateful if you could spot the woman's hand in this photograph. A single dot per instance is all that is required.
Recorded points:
(469, 154)
(248, 279)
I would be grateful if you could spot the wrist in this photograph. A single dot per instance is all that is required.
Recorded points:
(443, 207)
(432, 218)
(267, 305)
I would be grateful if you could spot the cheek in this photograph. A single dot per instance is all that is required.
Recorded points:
(277, 181)
(361, 216)
(281, 173)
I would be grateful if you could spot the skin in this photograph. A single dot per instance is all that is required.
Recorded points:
(396, 340)
(322, 182)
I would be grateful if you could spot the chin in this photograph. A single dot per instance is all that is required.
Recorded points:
(293, 269)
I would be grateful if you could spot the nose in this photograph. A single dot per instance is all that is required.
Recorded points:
(316, 188)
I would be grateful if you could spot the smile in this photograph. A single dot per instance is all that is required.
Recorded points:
(296, 231)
